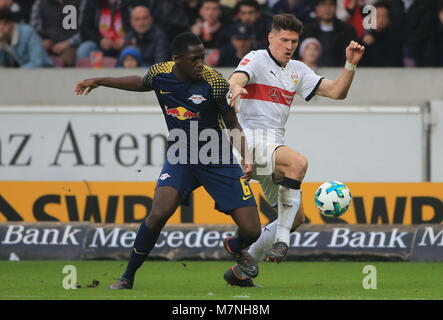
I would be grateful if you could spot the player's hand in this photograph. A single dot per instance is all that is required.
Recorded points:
(354, 52)
(88, 85)
(248, 170)
(234, 92)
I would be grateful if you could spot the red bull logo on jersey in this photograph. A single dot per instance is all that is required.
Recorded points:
(197, 98)
(181, 113)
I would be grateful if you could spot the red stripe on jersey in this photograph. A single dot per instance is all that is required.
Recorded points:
(269, 93)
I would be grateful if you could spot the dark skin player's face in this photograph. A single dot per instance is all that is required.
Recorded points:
(189, 66)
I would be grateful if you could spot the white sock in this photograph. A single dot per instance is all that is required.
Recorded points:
(261, 247)
(288, 204)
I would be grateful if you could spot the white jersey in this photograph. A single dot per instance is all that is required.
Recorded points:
(271, 89)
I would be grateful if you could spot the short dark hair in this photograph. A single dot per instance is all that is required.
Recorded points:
(287, 21)
(6, 14)
(381, 4)
(204, 1)
(321, 1)
(249, 3)
(181, 43)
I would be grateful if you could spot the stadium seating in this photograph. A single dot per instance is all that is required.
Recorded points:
(57, 61)
(108, 62)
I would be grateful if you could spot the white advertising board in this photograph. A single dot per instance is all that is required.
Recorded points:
(436, 121)
(365, 144)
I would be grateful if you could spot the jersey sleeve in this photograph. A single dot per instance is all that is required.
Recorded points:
(220, 89)
(249, 65)
(148, 79)
(163, 67)
(309, 82)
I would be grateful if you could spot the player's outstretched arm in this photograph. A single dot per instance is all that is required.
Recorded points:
(129, 83)
(339, 88)
(236, 88)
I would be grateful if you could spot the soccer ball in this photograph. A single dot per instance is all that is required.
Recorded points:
(333, 199)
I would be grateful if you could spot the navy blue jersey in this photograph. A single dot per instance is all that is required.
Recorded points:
(193, 106)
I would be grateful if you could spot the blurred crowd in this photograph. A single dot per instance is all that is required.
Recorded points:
(138, 33)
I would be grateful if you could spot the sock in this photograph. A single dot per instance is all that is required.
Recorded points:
(239, 241)
(143, 244)
(288, 203)
(261, 247)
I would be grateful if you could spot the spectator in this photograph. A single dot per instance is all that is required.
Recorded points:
(147, 37)
(304, 10)
(209, 28)
(174, 16)
(383, 48)
(103, 27)
(20, 8)
(130, 58)
(20, 45)
(310, 52)
(153, 5)
(242, 40)
(228, 8)
(333, 34)
(415, 23)
(351, 12)
(249, 12)
(47, 19)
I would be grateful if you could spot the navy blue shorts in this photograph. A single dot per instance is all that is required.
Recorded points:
(222, 182)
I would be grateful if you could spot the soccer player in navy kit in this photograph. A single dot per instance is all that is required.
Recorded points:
(193, 100)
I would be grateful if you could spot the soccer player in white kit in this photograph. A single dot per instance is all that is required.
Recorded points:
(266, 82)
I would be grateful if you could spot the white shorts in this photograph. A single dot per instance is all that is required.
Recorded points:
(262, 145)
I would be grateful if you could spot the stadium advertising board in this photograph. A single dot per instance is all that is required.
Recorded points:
(130, 202)
(374, 144)
(73, 241)
(98, 164)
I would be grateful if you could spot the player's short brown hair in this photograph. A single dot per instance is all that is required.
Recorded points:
(286, 21)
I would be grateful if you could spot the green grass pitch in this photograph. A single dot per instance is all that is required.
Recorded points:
(203, 280)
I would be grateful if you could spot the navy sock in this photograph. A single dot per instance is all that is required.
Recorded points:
(143, 244)
(239, 242)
